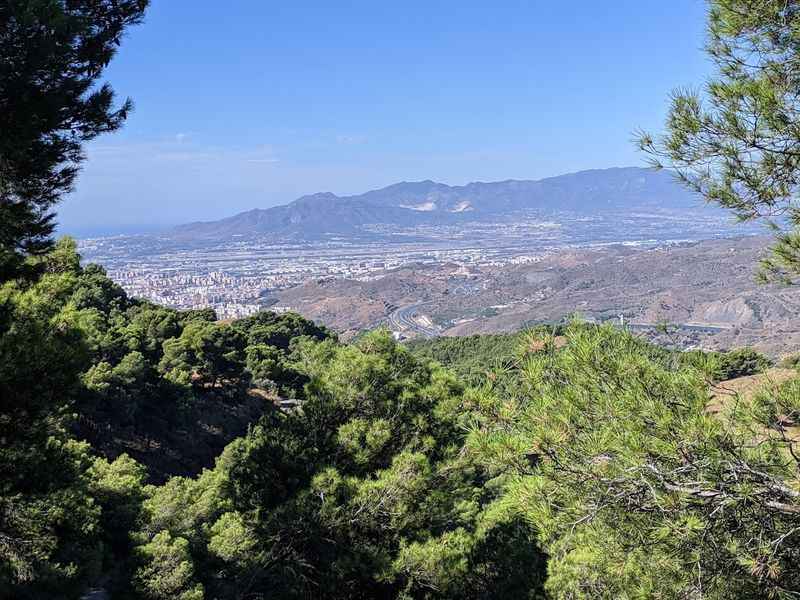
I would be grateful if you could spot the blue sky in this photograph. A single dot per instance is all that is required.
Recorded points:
(251, 104)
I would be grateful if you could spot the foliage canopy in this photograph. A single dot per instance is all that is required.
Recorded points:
(738, 143)
(52, 54)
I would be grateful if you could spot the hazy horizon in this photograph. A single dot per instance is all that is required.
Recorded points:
(111, 230)
(356, 98)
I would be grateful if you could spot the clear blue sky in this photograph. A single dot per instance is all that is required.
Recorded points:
(248, 103)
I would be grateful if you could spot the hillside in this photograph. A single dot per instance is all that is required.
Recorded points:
(388, 476)
(178, 428)
(709, 285)
(410, 204)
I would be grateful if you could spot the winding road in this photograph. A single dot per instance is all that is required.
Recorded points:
(402, 319)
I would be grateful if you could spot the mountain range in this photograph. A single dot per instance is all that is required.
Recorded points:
(411, 204)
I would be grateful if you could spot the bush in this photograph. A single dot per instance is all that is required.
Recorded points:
(742, 362)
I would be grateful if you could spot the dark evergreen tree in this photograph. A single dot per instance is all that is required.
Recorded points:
(52, 54)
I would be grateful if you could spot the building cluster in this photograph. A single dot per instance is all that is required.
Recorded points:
(240, 279)
(239, 276)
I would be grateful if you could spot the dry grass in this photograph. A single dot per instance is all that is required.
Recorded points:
(743, 389)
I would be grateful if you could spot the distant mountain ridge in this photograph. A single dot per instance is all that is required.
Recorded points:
(409, 204)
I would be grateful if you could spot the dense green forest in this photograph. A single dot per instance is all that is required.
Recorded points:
(390, 478)
(363, 491)
(478, 358)
(472, 358)
(159, 454)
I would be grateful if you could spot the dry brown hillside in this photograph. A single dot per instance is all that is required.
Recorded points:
(704, 284)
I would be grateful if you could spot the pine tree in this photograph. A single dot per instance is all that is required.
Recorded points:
(52, 54)
(738, 141)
